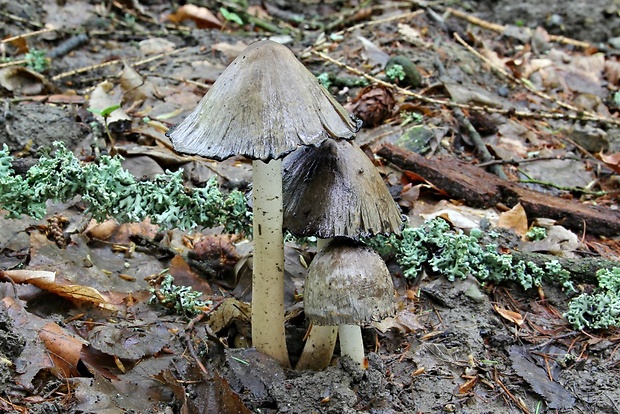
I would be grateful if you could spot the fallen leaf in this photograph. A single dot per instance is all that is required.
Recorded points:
(612, 161)
(64, 349)
(47, 281)
(202, 16)
(22, 81)
(106, 96)
(514, 219)
(509, 315)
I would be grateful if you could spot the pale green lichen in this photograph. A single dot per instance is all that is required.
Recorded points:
(182, 299)
(536, 233)
(454, 254)
(112, 192)
(600, 309)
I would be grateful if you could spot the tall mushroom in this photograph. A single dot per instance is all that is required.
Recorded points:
(334, 190)
(263, 106)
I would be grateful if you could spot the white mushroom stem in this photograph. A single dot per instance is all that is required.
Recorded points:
(268, 335)
(319, 348)
(351, 343)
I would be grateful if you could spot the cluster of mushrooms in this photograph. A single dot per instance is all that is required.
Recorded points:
(309, 178)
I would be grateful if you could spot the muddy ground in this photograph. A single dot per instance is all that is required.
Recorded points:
(448, 350)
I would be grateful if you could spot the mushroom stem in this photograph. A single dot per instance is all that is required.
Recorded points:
(319, 348)
(268, 334)
(321, 341)
(351, 343)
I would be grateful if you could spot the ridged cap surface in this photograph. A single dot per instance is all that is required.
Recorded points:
(263, 106)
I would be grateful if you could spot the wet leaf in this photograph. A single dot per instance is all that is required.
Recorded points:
(557, 397)
(64, 349)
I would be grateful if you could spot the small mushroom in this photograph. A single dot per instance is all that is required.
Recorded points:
(334, 190)
(348, 285)
(263, 106)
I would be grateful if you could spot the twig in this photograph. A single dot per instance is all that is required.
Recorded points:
(479, 144)
(188, 341)
(524, 161)
(501, 29)
(564, 188)
(25, 35)
(21, 19)
(422, 98)
(13, 63)
(409, 15)
(510, 395)
(526, 85)
(114, 62)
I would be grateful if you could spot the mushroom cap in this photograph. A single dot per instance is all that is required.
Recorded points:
(334, 190)
(263, 106)
(348, 284)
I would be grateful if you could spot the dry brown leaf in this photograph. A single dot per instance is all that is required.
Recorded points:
(228, 312)
(22, 81)
(47, 281)
(64, 349)
(514, 219)
(612, 72)
(612, 161)
(202, 16)
(509, 315)
(468, 385)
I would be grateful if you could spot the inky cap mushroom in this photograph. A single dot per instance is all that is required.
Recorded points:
(348, 284)
(263, 106)
(334, 190)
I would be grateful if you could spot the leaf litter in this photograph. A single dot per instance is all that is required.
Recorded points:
(450, 347)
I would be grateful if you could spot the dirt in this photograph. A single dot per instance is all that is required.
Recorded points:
(594, 21)
(454, 353)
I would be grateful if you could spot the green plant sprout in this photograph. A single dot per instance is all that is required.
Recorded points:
(395, 73)
(37, 60)
(182, 299)
(105, 113)
(112, 192)
(231, 16)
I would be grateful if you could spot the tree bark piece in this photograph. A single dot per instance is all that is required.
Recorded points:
(481, 189)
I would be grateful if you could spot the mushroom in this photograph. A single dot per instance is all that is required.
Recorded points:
(334, 190)
(348, 285)
(263, 106)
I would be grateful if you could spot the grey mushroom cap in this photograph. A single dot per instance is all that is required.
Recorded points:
(334, 190)
(264, 105)
(348, 284)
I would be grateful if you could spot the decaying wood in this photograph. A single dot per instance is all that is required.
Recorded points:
(481, 189)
